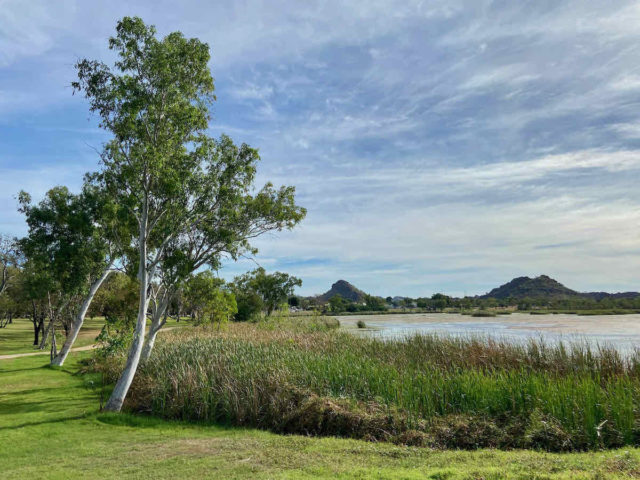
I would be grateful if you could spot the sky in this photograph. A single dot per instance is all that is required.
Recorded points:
(438, 146)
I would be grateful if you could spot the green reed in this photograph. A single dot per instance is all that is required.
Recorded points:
(258, 377)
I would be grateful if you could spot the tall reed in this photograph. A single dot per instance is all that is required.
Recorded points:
(548, 396)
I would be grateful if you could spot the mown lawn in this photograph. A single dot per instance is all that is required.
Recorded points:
(50, 427)
(18, 336)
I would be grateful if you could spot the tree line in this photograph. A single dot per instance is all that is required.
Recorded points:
(439, 302)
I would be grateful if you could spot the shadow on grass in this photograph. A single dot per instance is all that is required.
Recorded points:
(2, 370)
(139, 420)
(130, 420)
(52, 406)
(29, 391)
(44, 422)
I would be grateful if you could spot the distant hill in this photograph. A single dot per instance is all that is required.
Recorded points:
(544, 286)
(345, 290)
(601, 295)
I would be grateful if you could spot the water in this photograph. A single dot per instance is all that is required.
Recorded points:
(620, 331)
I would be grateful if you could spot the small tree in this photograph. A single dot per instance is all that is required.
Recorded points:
(8, 261)
(293, 301)
(374, 303)
(249, 305)
(207, 298)
(117, 299)
(337, 304)
(440, 301)
(9, 272)
(273, 289)
(197, 291)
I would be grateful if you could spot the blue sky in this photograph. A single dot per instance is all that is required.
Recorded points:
(438, 146)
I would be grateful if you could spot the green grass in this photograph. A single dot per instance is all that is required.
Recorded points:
(18, 336)
(50, 428)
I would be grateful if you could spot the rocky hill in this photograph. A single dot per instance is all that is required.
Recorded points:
(547, 287)
(345, 290)
(542, 286)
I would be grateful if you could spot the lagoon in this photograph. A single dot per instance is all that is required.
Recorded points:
(620, 331)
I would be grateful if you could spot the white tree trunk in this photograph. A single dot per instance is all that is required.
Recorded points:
(45, 334)
(157, 322)
(77, 324)
(114, 404)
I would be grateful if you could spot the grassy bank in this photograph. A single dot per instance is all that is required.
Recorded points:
(50, 428)
(449, 393)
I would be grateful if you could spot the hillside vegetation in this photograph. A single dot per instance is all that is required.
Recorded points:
(546, 287)
(345, 290)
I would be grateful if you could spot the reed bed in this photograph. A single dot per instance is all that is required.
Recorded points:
(425, 390)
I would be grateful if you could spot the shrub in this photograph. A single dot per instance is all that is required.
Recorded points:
(483, 313)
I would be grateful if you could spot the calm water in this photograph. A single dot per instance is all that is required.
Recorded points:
(621, 331)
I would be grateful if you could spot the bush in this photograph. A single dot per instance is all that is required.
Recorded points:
(361, 324)
(483, 313)
(249, 305)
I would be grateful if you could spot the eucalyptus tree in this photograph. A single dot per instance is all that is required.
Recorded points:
(232, 216)
(71, 250)
(155, 101)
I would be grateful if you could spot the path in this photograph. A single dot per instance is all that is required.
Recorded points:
(45, 352)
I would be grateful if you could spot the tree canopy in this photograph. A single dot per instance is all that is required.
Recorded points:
(273, 289)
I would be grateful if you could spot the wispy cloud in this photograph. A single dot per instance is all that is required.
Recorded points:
(445, 145)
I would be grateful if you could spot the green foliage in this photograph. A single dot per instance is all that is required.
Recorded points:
(208, 300)
(250, 305)
(189, 192)
(117, 299)
(483, 313)
(273, 289)
(293, 301)
(115, 337)
(374, 303)
(68, 239)
(338, 304)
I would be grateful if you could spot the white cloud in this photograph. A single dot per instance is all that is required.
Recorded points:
(437, 145)
(30, 29)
